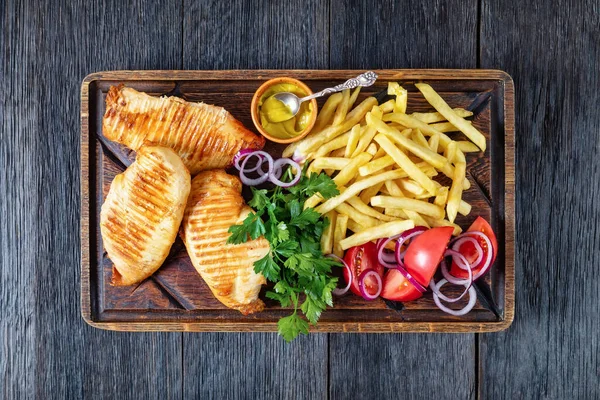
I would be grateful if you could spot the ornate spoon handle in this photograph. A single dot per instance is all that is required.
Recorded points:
(364, 80)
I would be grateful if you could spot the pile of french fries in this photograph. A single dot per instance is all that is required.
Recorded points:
(383, 161)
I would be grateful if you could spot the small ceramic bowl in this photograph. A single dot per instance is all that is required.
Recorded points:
(256, 115)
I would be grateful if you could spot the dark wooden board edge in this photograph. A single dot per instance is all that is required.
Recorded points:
(416, 327)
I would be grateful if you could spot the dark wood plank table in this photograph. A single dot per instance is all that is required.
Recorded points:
(553, 53)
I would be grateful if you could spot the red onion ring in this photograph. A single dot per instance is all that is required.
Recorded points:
(462, 262)
(278, 165)
(488, 261)
(475, 243)
(462, 311)
(361, 284)
(239, 156)
(263, 178)
(338, 291)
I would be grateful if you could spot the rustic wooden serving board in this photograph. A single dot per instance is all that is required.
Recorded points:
(177, 299)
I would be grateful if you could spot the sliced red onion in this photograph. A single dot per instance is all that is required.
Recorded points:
(361, 284)
(464, 239)
(298, 157)
(240, 156)
(488, 260)
(339, 291)
(462, 311)
(463, 263)
(278, 165)
(261, 179)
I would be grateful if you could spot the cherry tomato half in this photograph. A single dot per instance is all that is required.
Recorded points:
(425, 252)
(396, 287)
(467, 249)
(359, 259)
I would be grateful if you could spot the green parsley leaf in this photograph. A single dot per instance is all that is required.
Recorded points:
(306, 218)
(312, 308)
(268, 267)
(290, 327)
(259, 199)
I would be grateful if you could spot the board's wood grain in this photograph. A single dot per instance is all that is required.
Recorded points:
(18, 201)
(72, 39)
(552, 349)
(393, 34)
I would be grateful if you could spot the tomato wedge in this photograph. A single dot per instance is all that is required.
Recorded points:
(396, 287)
(467, 249)
(425, 252)
(359, 259)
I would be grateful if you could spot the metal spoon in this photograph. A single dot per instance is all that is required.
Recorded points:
(293, 102)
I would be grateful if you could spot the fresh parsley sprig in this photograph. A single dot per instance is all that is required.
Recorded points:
(295, 264)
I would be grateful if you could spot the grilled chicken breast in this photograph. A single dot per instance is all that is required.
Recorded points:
(204, 136)
(215, 203)
(141, 215)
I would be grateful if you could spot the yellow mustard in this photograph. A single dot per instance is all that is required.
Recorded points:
(276, 118)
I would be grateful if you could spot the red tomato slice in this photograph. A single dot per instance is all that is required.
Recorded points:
(467, 249)
(360, 259)
(425, 252)
(396, 287)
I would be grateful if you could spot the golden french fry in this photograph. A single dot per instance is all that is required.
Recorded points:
(380, 153)
(326, 113)
(393, 189)
(450, 152)
(412, 188)
(418, 138)
(434, 142)
(441, 196)
(446, 127)
(312, 170)
(416, 218)
(376, 165)
(387, 107)
(313, 201)
(365, 209)
(339, 234)
(338, 153)
(455, 193)
(353, 97)
(443, 108)
(410, 122)
(377, 232)
(433, 117)
(337, 143)
(423, 152)
(358, 187)
(342, 108)
(327, 237)
(352, 141)
(351, 169)
(355, 226)
(366, 194)
(422, 207)
(365, 140)
(396, 212)
(307, 145)
(443, 222)
(464, 208)
(372, 149)
(467, 147)
(357, 216)
(401, 96)
(405, 163)
(329, 162)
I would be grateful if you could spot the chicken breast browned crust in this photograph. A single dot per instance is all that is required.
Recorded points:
(215, 203)
(141, 215)
(204, 136)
